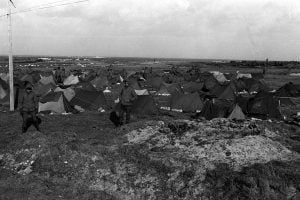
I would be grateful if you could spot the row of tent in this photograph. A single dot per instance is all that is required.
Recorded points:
(212, 95)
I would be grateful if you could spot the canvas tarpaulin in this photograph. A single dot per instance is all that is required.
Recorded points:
(91, 100)
(187, 102)
(237, 113)
(55, 102)
(71, 80)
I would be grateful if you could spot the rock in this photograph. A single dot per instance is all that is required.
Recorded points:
(291, 192)
(26, 171)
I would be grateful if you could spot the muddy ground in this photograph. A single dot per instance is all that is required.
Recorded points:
(83, 156)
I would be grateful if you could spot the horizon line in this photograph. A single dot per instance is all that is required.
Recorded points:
(145, 57)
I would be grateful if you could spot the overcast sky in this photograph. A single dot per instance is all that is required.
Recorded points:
(225, 29)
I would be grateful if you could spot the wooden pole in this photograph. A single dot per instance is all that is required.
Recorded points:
(10, 59)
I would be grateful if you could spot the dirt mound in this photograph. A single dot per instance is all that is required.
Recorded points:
(274, 180)
(170, 159)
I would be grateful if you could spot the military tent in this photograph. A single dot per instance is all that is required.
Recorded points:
(154, 82)
(265, 106)
(286, 101)
(288, 90)
(3, 89)
(230, 76)
(240, 75)
(217, 90)
(229, 93)
(216, 109)
(243, 102)
(253, 86)
(69, 93)
(192, 87)
(71, 80)
(41, 89)
(55, 102)
(4, 92)
(173, 88)
(4, 77)
(142, 92)
(90, 76)
(100, 83)
(47, 80)
(130, 75)
(27, 78)
(237, 113)
(143, 105)
(134, 84)
(259, 86)
(85, 86)
(4, 100)
(187, 102)
(219, 76)
(209, 80)
(163, 91)
(257, 76)
(90, 100)
(168, 89)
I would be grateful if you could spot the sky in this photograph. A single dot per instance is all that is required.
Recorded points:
(202, 29)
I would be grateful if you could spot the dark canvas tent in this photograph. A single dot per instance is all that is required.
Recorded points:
(208, 79)
(259, 86)
(91, 75)
(253, 85)
(134, 84)
(168, 89)
(100, 83)
(163, 91)
(216, 109)
(173, 88)
(265, 106)
(230, 76)
(257, 76)
(286, 101)
(187, 102)
(288, 90)
(27, 78)
(154, 82)
(55, 102)
(41, 90)
(217, 90)
(229, 93)
(85, 86)
(90, 100)
(243, 101)
(192, 87)
(143, 105)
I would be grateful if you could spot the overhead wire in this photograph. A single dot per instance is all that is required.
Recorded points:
(46, 4)
(46, 7)
(36, 6)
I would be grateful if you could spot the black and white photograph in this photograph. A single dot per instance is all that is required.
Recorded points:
(150, 100)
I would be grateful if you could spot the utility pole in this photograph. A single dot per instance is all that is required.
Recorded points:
(10, 52)
(10, 59)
